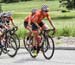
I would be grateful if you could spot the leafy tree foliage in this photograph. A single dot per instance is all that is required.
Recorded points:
(69, 4)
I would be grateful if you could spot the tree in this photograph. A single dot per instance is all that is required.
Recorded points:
(69, 4)
(10, 1)
(73, 3)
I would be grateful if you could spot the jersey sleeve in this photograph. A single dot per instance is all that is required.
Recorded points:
(11, 19)
(35, 18)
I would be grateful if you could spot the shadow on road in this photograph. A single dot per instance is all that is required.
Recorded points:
(29, 60)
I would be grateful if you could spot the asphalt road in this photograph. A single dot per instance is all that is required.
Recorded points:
(61, 57)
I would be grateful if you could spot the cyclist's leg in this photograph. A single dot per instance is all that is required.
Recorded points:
(34, 43)
(36, 38)
(35, 33)
(44, 26)
(28, 28)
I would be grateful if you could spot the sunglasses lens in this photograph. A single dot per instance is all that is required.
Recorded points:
(46, 11)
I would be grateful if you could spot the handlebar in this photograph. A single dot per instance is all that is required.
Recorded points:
(49, 30)
(14, 28)
(11, 31)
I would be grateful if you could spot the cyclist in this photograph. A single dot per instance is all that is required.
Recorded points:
(6, 18)
(27, 22)
(38, 24)
(1, 28)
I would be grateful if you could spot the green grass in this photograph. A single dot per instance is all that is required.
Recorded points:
(27, 6)
(65, 27)
(53, 14)
(64, 22)
(22, 9)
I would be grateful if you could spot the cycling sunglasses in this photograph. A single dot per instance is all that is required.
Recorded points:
(46, 11)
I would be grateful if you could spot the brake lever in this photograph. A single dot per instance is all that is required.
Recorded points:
(53, 31)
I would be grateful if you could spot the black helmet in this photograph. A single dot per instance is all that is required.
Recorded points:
(44, 8)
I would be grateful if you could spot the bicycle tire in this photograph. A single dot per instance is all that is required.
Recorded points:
(52, 53)
(17, 40)
(31, 54)
(32, 49)
(14, 48)
(25, 42)
(29, 50)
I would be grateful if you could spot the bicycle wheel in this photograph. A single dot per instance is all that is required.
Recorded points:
(33, 53)
(48, 50)
(28, 45)
(17, 40)
(11, 46)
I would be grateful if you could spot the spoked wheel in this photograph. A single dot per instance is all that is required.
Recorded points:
(11, 47)
(27, 43)
(17, 40)
(45, 45)
(48, 47)
(29, 47)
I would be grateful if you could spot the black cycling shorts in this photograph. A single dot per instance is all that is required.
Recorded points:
(34, 27)
(41, 24)
(25, 24)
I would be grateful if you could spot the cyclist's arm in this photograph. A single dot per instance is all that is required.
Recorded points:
(4, 26)
(11, 19)
(36, 24)
(50, 21)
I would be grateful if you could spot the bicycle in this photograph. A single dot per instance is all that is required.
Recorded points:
(15, 36)
(46, 42)
(10, 45)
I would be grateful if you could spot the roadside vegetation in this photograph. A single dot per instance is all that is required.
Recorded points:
(64, 22)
